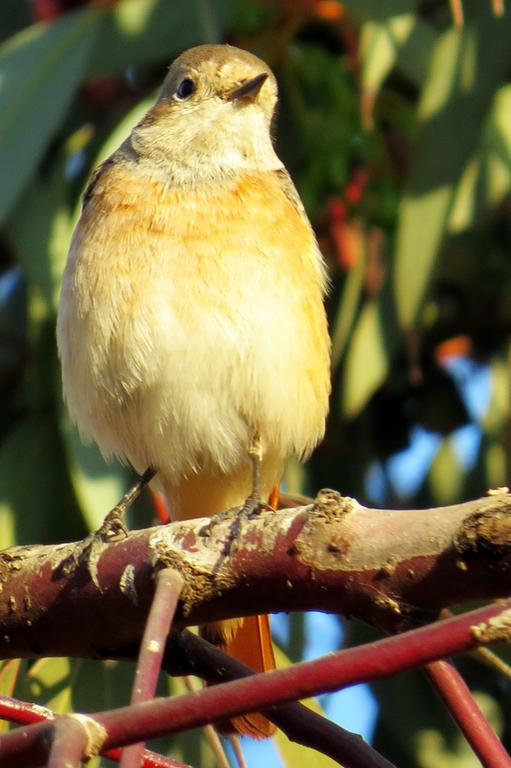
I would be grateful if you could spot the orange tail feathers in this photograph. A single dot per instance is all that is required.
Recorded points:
(251, 644)
(249, 641)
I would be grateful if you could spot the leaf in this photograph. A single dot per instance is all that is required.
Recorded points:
(97, 485)
(369, 354)
(137, 32)
(487, 176)
(434, 749)
(40, 228)
(399, 727)
(40, 70)
(467, 67)
(446, 476)
(363, 10)
(347, 309)
(48, 682)
(402, 40)
(34, 493)
(13, 17)
(123, 129)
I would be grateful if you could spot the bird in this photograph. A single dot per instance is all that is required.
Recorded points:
(191, 326)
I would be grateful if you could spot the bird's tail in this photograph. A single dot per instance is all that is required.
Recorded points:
(249, 641)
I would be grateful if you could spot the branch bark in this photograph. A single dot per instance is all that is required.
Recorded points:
(392, 569)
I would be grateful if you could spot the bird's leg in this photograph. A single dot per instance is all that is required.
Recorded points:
(113, 528)
(255, 453)
(252, 505)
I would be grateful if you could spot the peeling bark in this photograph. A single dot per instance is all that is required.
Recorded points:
(391, 568)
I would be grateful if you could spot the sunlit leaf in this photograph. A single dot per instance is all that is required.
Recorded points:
(48, 682)
(347, 309)
(434, 749)
(138, 32)
(34, 500)
(487, 176)
(40, 70)
(402, 40)
(467, 67)
(98, 486)
(369, 354)
(446, 475)
(41, 228)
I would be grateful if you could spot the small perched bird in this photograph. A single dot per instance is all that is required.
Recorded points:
(191, 326)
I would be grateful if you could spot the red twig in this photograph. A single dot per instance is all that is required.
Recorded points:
(23, 712)
(68, 745)
(355, 665)
(26, 713)
(168, 588)
(300, 724)
(461, 704)
(373, 661)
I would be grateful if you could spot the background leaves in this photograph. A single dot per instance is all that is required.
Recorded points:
(396, 127)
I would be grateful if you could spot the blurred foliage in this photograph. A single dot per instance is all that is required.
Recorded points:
(395, 124)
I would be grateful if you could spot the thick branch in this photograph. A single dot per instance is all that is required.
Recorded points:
(389, 568)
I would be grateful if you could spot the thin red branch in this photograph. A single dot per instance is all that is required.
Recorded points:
(349, 667)
(461, 704)
(373, 661)
(26, 713)
(193, 655)
(23, 712)
(68, 745)
(169, 584)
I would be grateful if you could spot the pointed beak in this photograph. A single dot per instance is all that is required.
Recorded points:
(249, 89)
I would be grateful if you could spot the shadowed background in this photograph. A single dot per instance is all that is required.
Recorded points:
(396, 127)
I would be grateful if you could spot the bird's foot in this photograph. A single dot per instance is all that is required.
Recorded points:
(112, 529)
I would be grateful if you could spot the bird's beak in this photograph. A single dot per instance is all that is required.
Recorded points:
(248, 89)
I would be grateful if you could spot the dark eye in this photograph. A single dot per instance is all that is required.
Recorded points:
(185, 88)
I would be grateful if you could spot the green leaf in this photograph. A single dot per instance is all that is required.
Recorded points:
(446, 476)
(402, 40)
(487, 176)
(48, 682)
(123, 128)
(98, 486)
(13, 17)
(40, 70)
(467, 67)
(40, 227)
(347, 309)
(35, 501)
(137, 32)
(369, 354)
(364, 10)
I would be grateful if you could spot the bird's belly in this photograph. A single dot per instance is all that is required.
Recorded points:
(181, 345)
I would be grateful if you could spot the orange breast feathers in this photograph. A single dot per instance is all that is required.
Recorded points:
(190, 319)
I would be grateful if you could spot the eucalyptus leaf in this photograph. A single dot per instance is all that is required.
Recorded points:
(41, 68)
(467, 67)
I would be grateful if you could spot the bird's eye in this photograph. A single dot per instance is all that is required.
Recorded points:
(185, 88)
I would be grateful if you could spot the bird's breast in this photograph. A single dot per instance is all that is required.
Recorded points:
(190, 317)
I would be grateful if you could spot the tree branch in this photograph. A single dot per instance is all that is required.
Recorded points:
(378, 660)
(392, 569)
(458, 698)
